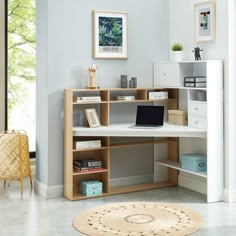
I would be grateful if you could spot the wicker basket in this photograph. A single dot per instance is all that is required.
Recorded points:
(14, 158)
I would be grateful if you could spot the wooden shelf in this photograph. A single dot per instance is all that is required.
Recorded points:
(89, 102)
(127, 189)
(140, 187)
(89, 149)
(89, 172)
(177, 166)
(83, 197)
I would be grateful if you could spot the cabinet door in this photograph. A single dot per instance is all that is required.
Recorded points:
(197, 122)
(198, 109)
(167, 75)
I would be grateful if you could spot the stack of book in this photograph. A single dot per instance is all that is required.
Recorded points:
(87, 99)
(87, 144)
(195, 81)
(87, 165)
(158, 95)
(124, 97)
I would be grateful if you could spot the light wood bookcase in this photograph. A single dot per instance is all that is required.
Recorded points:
(74, 116)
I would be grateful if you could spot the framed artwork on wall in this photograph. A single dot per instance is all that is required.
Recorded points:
(110, 35)
(204, 20)
(92, 117)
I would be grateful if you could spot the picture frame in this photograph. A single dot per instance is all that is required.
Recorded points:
(204, 21)
(110, 34)
(92, 117)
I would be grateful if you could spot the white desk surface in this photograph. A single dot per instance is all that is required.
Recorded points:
(124, 130)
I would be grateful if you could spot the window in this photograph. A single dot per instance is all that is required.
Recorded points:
(21, 63)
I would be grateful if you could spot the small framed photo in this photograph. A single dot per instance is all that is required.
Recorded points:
(204, 20)
(110, 35)
(92, 117)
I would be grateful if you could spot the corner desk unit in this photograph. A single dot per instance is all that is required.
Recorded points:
(166, 169)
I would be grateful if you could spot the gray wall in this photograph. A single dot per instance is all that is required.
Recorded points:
(64, 52)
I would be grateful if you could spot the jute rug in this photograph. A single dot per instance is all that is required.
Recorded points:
(138, 219)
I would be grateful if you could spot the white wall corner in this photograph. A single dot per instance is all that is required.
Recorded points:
(48, 191)
(229, 195)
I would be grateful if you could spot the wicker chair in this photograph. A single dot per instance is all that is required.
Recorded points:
(14, 157)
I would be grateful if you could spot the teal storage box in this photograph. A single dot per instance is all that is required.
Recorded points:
(195, 162)
(91, 187)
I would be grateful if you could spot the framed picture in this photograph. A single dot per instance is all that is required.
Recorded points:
(110, 35)
(92, 117)
(204, 20)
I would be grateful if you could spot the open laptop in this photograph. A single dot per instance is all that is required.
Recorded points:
(149, 117)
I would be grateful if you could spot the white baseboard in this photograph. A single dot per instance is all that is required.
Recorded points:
(192, 184)
(229, 195)
(48, 191)
(131, 180)
(33, 166)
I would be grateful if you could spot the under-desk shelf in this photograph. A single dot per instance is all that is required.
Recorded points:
(138, 187)
(177, 166)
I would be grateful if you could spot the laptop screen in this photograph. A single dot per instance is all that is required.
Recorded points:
(150, 115)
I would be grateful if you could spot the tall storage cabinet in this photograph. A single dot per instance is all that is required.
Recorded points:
(205, 111)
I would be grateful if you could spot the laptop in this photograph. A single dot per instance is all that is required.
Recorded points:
(149, 117)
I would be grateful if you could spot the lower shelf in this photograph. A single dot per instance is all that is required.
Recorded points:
(126, 189)
(177, 166)
(139, 187)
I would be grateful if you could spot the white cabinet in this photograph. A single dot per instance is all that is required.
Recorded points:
(205, 112)
(167, 74)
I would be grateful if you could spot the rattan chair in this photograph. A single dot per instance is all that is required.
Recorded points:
(14, 157)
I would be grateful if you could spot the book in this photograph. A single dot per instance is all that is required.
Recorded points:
(87, 163)
(195, 79)
(77, 169)
(87, 144)
(124, 97)
(87, 99)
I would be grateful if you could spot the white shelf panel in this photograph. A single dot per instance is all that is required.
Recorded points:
(124, 130)
(177, 166)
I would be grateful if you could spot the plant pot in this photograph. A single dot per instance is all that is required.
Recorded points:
(176, 55)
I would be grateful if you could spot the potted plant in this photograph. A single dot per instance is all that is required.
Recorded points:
(177, 52)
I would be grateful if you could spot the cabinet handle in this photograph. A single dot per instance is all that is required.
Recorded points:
(196, 108)
(196, 122)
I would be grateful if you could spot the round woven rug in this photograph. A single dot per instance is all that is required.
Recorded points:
(138, 218)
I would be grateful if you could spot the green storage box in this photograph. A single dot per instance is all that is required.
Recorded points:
(195, 162)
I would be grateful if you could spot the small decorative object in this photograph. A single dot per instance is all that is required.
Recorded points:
(197, 55)
(92, 117)
(177, 52)
(130, 83)
(123, 81)
(134, 79)
(110, 34)
(92, 74)
(204, 18)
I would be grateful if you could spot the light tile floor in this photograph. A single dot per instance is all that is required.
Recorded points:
(35, 216)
